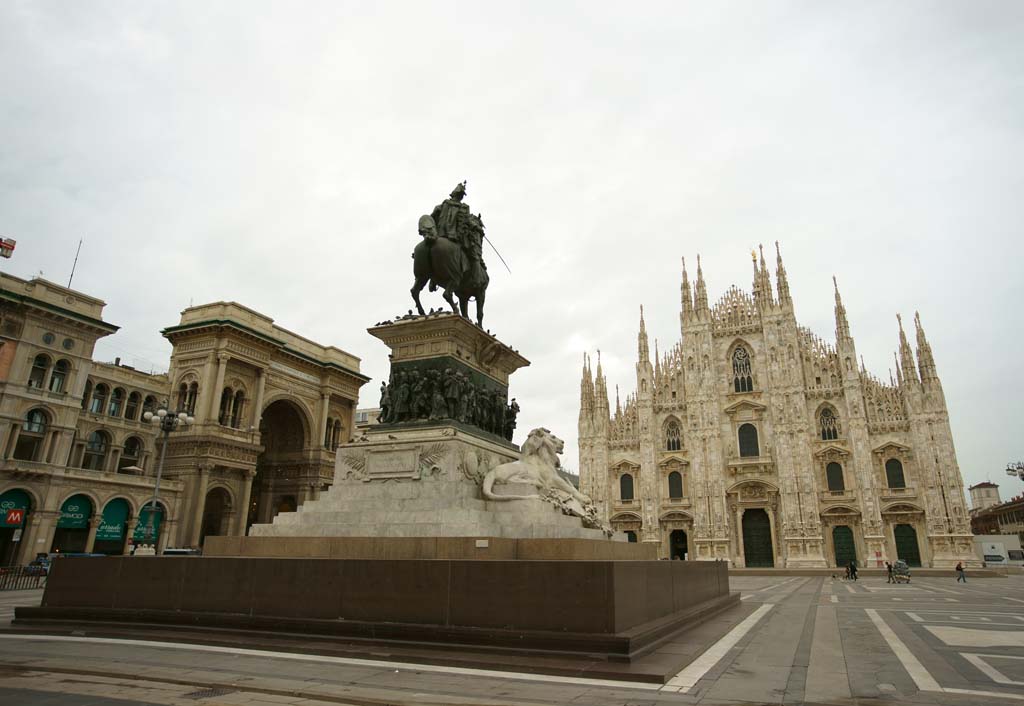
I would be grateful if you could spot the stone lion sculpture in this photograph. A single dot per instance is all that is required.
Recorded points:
(537, 467)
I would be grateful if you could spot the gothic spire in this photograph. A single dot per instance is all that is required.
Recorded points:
(618, 405)
(781, 281)
(601, 385)
(906, 355)
(925, 362)
(684, 292)
(643, 351)
(657, 361)
(842, 325)
(700, 297)
(899, 373)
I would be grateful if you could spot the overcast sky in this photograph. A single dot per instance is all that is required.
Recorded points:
(279, 155)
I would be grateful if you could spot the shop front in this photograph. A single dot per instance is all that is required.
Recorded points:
(72, 533)
(14, 508)
(111, 533)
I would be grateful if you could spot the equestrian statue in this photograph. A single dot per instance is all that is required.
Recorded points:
(450, 256)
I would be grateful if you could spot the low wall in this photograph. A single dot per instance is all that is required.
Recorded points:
(584, 606)
(457, 548)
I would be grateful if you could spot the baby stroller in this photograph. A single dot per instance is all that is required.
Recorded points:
(901, 571)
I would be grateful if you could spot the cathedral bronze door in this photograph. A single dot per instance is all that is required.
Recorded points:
(757, 539)
(906, 544)
(677, 544)
(842, 541)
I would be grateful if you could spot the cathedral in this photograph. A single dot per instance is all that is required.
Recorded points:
(756, 442)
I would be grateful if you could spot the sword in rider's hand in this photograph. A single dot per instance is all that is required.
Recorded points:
(497, 253)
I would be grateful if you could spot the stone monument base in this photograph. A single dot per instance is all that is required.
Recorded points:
(424, 482)
(612, 610)
(459, 548)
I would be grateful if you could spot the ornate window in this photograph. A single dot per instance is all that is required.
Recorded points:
(336, 440)
(131, 410)
(60, 376)
(99, 399)
(190, 400)
(30, 440)
(626, 487)
(227, 396)
(675, 485)
(828, 424)
(748, 441)
(95, 456)
(131, 455)
(236, 408)
(40, 368)
(834, 477)
(329, 433)
(182, 396)
(149, 405)
(894, 474)
(116, 402)
(742, 374)
(673, 436)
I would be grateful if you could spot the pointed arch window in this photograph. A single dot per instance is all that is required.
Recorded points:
(673, 436)
(828, 424)
(894, 474)
(742, 372)
(834, 477)
(626, 486)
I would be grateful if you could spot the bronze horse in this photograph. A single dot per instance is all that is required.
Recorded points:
(444, 264)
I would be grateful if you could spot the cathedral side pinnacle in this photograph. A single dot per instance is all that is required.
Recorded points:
(643, 351)
(842, 325)
(700, 299)
(925, 361)
(906, 355)
(781, 280)
(684, 292)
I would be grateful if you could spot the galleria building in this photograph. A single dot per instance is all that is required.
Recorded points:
(755, 442)
(78, 460)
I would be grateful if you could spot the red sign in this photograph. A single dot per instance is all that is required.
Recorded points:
(15, 516)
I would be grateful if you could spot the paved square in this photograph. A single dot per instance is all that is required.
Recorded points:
(795, 640)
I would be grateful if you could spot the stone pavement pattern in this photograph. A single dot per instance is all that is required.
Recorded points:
(799, 640)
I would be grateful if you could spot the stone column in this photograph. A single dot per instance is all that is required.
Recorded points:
(199, 505)
(261, 386)
(115, 456)
(166, 528)
(12, 442)
(325, 402)
(42, 525)
(739, 536)
(218, 389)
(243, 508)
(129, 534)
(94, 524)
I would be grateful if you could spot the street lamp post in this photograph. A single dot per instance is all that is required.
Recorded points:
(167, 422)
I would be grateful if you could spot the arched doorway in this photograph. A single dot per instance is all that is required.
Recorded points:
(842, 542)
(757, 538)
(677, 545)
(631, 536)
(110, 535)
(907, 548)
(72, 534)
(15, 504)
(284, 433)
(216, 514)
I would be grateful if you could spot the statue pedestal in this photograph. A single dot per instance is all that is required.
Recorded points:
(424, 482)
(426, 353)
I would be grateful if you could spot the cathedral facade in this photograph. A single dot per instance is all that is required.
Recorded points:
(754, 441)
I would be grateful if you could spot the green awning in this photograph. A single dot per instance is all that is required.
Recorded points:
(75, 513)
(14, 500)
(144, 534)
(115, 519)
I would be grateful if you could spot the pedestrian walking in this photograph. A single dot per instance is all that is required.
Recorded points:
(853, 569)
(888, 570)
(960, 575)
(846, 577)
